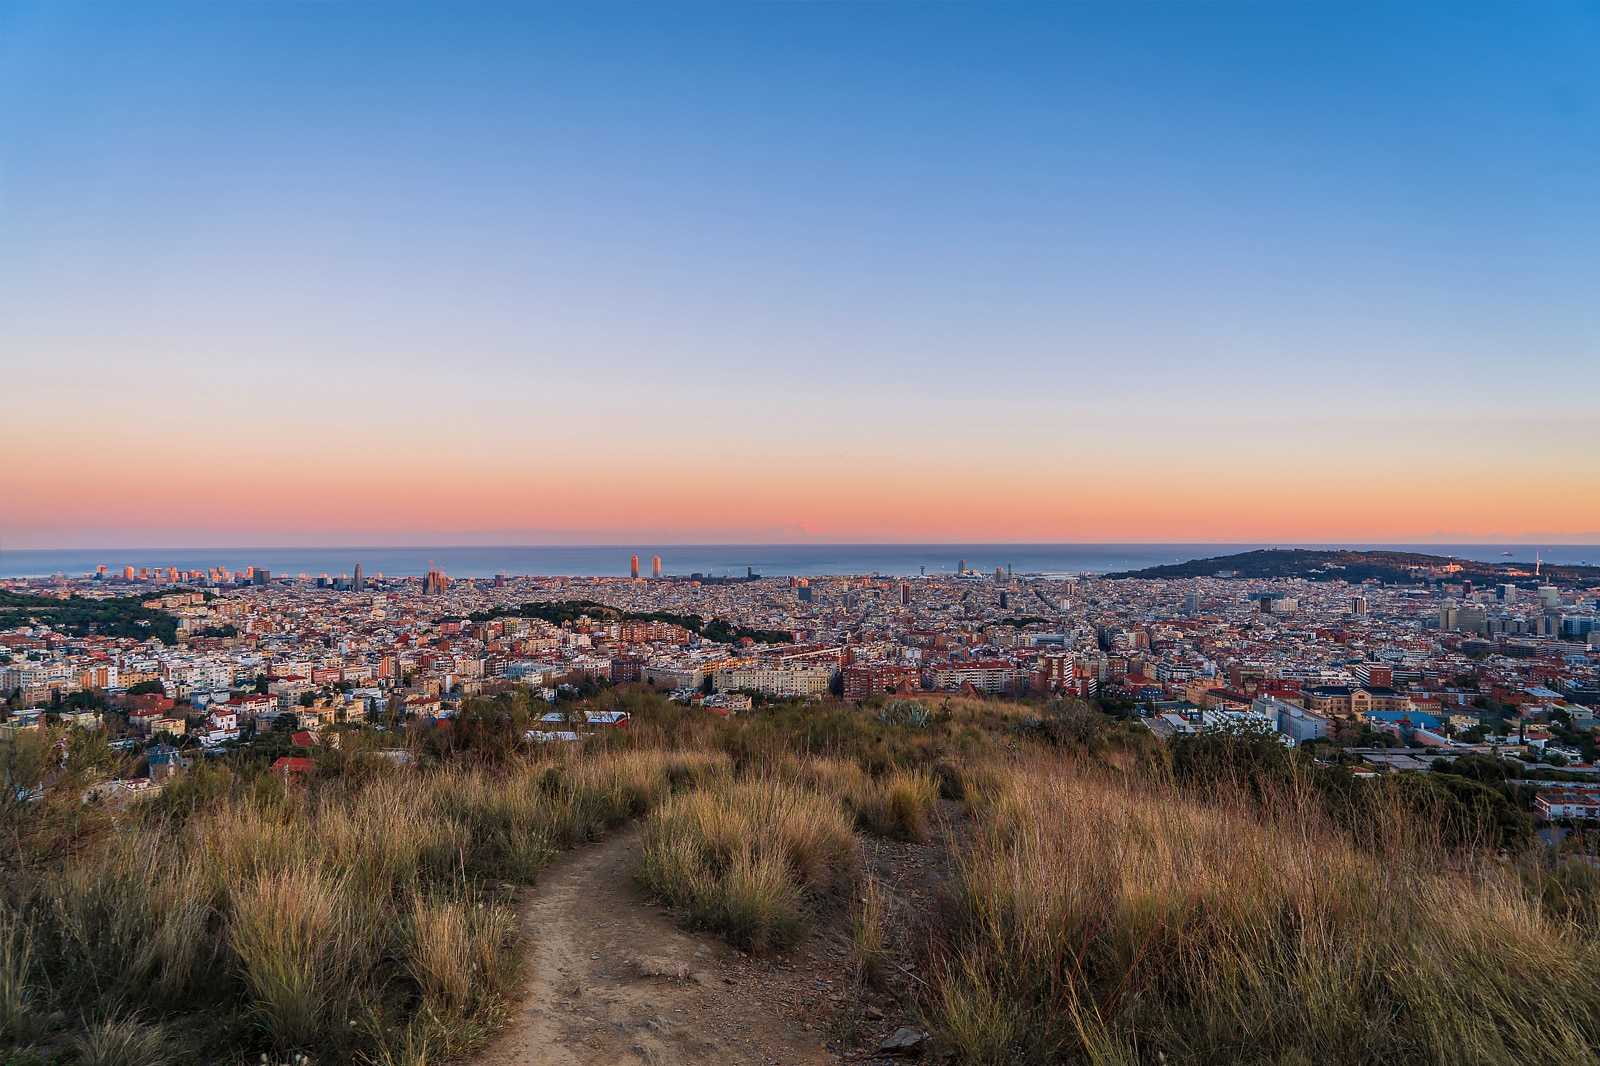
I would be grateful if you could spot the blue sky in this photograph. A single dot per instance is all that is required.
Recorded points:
(1091, 245)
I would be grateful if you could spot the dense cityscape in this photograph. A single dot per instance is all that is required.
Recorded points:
(1388, 676)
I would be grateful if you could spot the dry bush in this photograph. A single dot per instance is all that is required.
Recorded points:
(1095, 917)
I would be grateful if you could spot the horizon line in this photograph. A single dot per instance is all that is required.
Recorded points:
(1306, 544)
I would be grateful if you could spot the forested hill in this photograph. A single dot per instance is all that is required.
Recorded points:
(123, 617)
(1386, 566)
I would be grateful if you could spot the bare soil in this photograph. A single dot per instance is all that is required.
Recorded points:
(584, 1003)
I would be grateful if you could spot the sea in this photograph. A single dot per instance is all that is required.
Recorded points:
(769, 560)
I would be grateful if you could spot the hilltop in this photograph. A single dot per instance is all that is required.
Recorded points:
(1389, 567)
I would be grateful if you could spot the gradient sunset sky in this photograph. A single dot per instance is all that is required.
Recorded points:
(526, 273)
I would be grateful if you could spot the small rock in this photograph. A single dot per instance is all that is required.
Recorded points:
(903, 1041)
(656, 966)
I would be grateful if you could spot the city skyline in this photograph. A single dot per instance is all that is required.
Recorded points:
(433, 274)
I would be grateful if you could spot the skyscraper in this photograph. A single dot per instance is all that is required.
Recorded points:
(633, 567)
(360, 582)
(655, 566)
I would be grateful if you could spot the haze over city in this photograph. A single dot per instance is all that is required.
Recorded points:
(535, 274)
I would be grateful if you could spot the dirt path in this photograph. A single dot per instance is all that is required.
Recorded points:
(585, 1005)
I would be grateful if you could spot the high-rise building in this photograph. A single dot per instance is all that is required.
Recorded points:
(127, 573)
(961, 567)
(633, 568)
(1508, 594)
(655, 566)
(905, 594)
(1004, 601)
(261, 577)
(1358, 605)
(1191, 603)
(360, 582)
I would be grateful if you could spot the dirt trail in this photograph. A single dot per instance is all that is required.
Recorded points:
(585, 1005)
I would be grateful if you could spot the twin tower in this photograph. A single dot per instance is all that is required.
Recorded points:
(655, 567)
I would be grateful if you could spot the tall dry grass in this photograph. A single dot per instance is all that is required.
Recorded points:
(359, 918)
(752, 860)
(867, 941)
(897, 805)
(1110, 921)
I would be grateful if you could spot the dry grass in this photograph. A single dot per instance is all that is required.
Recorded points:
(16, 955)
(124, 1042)
(751, 860)
(1103, 921)
(349, 921)
(301, 942)
(867, 932)
(896, 805)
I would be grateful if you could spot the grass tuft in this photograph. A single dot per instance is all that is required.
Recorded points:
(752, 861)
(124, 1042)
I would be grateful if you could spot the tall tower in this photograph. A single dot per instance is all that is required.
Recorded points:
(655, 566)
(633, 567)
(360, 582)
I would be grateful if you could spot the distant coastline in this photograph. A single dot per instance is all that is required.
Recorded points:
(770, 560)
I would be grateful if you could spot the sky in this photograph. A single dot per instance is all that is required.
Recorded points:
(530, 273)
